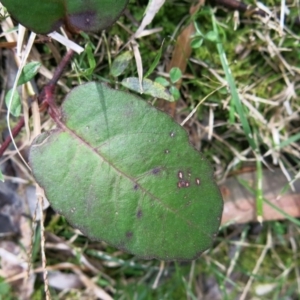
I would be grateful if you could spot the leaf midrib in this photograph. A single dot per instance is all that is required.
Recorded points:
(76, 136)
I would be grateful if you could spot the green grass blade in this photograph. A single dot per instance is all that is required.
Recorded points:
(155, 62)
(286, 215)
(294, 138)
(235, 97)
(259, 191)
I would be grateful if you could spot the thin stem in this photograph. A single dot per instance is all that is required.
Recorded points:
(61, 67)
(46, 100)
(15, 131)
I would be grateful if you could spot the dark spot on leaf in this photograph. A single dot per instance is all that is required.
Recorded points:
(139, 214)
(181, 183)
(129, 234)
(156, 171)
(85, 21)
(197, 181)
(136, 187)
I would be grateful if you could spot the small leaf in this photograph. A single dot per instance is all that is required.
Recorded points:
(1, 176)
(175, 92)
(29, 71)
(196, 43)
(175, 74)
(211, 36)
(163, 81)
(150, 88)
(91, 60)
(155, 62)
(125, 173)
(15, 106)
(121, 63)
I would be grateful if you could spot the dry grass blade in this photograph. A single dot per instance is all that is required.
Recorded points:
(100, 293)
(151, 10)
(257, 266)
(138, 61)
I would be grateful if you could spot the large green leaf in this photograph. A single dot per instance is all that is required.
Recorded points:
(123, 172)
(45, 16)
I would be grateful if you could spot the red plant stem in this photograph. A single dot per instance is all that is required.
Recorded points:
(46, 99)
(15, 131)
(61, 67)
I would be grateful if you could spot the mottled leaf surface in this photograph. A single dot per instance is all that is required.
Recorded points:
(151, 88)
(46, 16)
(123, 172)
(121, 63)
